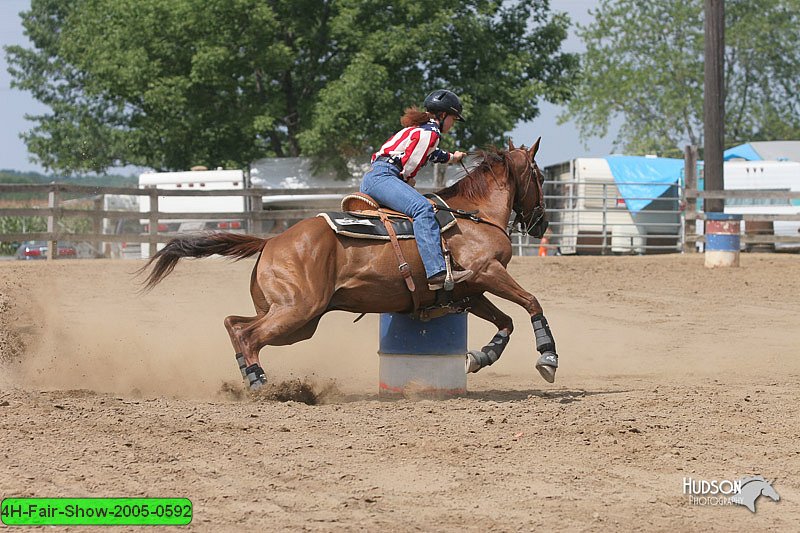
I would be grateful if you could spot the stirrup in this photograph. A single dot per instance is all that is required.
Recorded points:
(449, 283)
(436, 285)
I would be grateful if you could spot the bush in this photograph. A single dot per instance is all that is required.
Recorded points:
(19, 225)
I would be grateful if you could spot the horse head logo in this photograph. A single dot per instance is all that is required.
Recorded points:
(752, 488)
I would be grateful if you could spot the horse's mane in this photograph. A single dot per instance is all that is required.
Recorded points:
(474, 186)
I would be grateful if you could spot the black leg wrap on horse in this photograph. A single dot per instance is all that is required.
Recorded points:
(496, 346)
(242, 364)
(489, 354)
(256, 378)
(546, 345)
(544, 339)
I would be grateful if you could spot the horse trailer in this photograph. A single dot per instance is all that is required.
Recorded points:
(618, 205)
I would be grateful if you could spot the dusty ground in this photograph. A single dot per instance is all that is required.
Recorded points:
(668, 371)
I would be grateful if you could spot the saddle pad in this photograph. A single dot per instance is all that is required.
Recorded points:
(354, 224)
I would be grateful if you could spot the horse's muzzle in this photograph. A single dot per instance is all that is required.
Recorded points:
(538, 229)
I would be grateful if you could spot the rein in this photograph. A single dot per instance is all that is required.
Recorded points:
(473, 216)
(536, 214)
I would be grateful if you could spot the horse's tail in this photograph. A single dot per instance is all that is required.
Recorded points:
(233, 245)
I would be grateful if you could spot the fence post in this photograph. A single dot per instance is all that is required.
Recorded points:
(605, 220)
(97, 225)
(153, 243)
(256, 207)
(52, 203)
(690, 203)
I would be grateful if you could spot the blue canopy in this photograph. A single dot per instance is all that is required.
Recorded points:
(642, 179)
(743, 151)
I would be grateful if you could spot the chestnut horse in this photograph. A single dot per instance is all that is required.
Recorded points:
(308, 270)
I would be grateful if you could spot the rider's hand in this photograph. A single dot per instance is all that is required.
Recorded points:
(457, 157)
(412, 182)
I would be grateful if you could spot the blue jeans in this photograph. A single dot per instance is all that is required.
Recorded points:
(383, 183)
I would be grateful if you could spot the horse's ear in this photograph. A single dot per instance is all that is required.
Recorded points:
(534, 148)
(511, 145)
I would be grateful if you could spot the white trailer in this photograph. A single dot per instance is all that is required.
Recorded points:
(197, 180)
(589, 214)
(765, 176)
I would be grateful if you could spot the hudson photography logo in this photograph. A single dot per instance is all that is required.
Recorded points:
(744, 491)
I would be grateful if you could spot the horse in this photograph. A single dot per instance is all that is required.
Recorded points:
(308, 270)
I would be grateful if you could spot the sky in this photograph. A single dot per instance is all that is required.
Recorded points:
(559, 143)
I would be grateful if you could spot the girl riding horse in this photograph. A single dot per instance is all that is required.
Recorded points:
(391, 179)
(308, 270)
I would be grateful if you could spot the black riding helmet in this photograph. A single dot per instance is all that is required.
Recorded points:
(444, 101)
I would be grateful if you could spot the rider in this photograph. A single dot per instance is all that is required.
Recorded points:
(391, 181)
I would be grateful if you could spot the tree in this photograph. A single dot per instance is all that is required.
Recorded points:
(644, 62)
(501, 57)
(170, 84)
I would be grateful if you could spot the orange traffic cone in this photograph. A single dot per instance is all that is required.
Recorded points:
(543, 246)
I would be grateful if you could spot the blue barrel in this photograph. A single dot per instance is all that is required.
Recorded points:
(422, 358)
(723, 240)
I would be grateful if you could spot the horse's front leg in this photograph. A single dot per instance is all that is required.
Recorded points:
(481, 307)
(496, 280)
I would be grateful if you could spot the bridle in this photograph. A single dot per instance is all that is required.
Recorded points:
(527, 222)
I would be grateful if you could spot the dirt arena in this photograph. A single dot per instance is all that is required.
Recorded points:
(668, 371)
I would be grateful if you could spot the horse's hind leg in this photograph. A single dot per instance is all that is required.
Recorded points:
(279, 326)
(233, 323)
(481, 307)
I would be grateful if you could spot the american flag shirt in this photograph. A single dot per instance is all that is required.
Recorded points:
(413, 147)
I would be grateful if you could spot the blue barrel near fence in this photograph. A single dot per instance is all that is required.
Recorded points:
(722, 232)
(422, 359)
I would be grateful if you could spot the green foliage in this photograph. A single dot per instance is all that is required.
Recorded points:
(75, 225)
(107, 180)
(19, 225)
(13, 176)
(644, 62)
(171, 84)
(502, 58)
(16, 224)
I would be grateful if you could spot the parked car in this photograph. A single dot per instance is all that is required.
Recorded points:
(38, 250)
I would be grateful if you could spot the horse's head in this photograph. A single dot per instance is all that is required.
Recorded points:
(751, 489)
(529, 195)
(769, 492)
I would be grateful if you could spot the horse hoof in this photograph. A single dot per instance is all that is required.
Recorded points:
(472, 363)
(256, 378)
(547, 372)
(547, 365)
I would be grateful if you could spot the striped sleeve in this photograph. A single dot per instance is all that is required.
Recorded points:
(416, 155)
(439, 156)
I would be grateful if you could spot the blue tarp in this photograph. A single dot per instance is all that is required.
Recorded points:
(743, 151)
(642, 179)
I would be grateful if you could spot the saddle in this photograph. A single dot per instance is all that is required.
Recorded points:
(362, 217)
